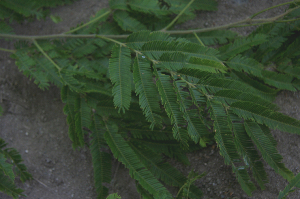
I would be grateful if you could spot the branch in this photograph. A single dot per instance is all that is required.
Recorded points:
(248, 21)
(272, 8)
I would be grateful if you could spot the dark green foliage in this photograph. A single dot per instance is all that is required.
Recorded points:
(176, 95)
(9, 171)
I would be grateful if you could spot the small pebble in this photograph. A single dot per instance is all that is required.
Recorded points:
(26, 151)
(26, 133)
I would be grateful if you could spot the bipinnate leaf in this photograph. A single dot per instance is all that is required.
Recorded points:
(247, 149)
(6, 168)
(73, 118)
(264, 115)
(120, 75)
(245, 64)
(101, 160)
(124, 153)
(169, 99)
(8, 187)
(268, 151)
(145, 88)
(228, 149)
(241, 45)
(127, 22)
(295, 182)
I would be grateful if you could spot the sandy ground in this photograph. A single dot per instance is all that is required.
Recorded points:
(34, 123)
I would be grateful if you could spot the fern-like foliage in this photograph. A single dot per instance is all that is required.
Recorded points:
(153, 95)
(9, 171)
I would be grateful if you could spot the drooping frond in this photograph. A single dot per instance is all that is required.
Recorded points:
(291, 70)
(228, 149)
(143, 132)
(248, 65)
(231, 96)
(264, 115)
(295, 182)
(145, 88)
(27, 65)
(169, 148)
(70, 98)
(155, 164)
(143, 192)
(213, 85)
(246, 148)
(263, 90)
(82, 118)
(241, 45)
(127, 22)
(20, 169)
(124, 153)
(9, 188)
(196, 127)
(169, 99)
(6, 168)
(101, 159)
(268, 151)
(160, 169)
(119, 70)
(277, 80)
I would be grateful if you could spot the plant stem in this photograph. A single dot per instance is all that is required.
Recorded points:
(249, 21)
(257, 24)
(176, 18)
(272, 8)
(45, 54)
(201, 43)
(7, 50)
(88, 23)
(110, 39)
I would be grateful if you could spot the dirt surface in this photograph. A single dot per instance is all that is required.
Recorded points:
(33, 121)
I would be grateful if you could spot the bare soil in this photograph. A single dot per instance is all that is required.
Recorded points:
(33, 121)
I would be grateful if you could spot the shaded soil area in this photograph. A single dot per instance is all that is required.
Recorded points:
(33, 121)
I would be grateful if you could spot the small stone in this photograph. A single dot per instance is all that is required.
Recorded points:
(26, 133)
(205, 164)
(214, 184)
(26, 151)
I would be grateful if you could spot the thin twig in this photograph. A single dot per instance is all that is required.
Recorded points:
(272, 8)
(201, 43)
(45, 54)
(88, 23)
(7, 50)
(177, 17)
